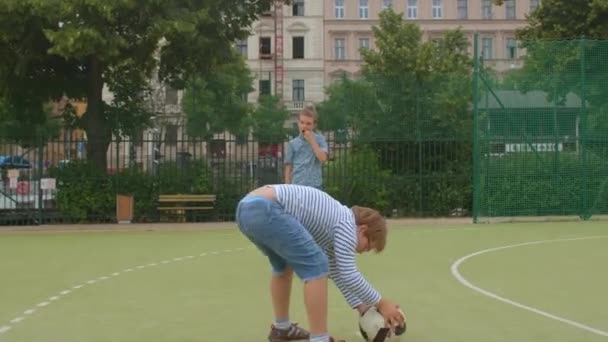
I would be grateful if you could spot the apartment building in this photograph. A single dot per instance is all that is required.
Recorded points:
(348, 27)
(285, 54)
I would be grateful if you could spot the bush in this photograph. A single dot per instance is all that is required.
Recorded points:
(194, 178)
(355, 178)
(433, 194)
(144, 189)
(543, 184)
(88, 195)
(84, 193)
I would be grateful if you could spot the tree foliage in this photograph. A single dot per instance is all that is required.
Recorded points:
(216, 102)
(566, 19)
(566, 53)
(268, 120)
(73, 48)
(409, 88)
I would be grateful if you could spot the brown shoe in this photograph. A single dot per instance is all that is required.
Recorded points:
(294, 333)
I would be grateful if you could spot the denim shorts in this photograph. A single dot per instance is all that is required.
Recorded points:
(283, 239)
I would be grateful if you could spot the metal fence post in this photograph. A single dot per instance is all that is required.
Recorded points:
(40, 166)
(586, 214)
(475, 129)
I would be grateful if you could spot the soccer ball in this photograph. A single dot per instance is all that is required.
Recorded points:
(371, 326)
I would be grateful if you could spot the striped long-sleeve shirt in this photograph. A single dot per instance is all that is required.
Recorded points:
(333, 227)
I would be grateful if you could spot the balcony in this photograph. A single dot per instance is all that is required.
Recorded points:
(295, 106)
(265, 55)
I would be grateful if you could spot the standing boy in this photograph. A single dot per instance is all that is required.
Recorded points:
(305, 153)
(304, 230)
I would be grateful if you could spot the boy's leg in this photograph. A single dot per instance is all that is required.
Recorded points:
(280, 291)
(286, 242)
(253, 219)
(297, 247)
(315, 299)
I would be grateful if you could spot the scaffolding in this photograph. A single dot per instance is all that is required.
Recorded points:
(278, 49)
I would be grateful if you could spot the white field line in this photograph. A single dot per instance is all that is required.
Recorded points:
(56, 297)
(468, 284)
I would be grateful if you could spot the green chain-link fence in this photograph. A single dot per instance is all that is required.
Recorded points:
(541, 132)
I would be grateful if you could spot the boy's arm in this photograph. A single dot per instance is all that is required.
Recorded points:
(357, 291)
(320, 150)
(347, 275)
(351, 299)
(287, 163)
(287, 168)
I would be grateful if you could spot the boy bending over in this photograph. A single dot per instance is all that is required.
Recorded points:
(304, 230)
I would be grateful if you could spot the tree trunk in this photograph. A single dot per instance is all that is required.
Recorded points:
(94, 121)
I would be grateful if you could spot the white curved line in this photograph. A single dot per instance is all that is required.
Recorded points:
(7, 327)
(468, 284)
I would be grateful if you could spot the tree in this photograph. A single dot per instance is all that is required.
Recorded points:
(268, 121)
(72, 48)
(566, 19)
(565, 53)
(217, 102)
(409, 88)
(30, 129)
(350, 103)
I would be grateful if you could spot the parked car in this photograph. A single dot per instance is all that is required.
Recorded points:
(14, 162)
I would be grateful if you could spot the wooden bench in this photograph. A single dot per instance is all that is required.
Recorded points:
(179, 204)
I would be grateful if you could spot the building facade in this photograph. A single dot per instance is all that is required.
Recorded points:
(311, 43)
(348, 27)
(299, 59)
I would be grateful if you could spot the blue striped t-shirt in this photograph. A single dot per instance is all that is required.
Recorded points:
(333, 227)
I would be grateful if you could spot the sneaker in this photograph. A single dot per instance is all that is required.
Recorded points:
(294, 333)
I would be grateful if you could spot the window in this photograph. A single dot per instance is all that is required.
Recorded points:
(266, 10)
(340, 45)
(241, 46)
(298, 47)
(486, 48)
(170, 96)
(218, 148)
(171, 135)
(437, 9)
(298, 8)
(412, 9)
(463, 9)
(298, 90)
(264, 87)
(486, 9)
(510, 9)
(533, 5)
(511, 48)
(386, 4)
(363, 44)
(339, 8)
(363, 9)
(265, 47)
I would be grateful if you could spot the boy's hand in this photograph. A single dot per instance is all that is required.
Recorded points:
(308, 135)
(393, 316)
(362, 308)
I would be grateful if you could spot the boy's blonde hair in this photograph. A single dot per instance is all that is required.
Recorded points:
(310, 112)
(376, 226)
